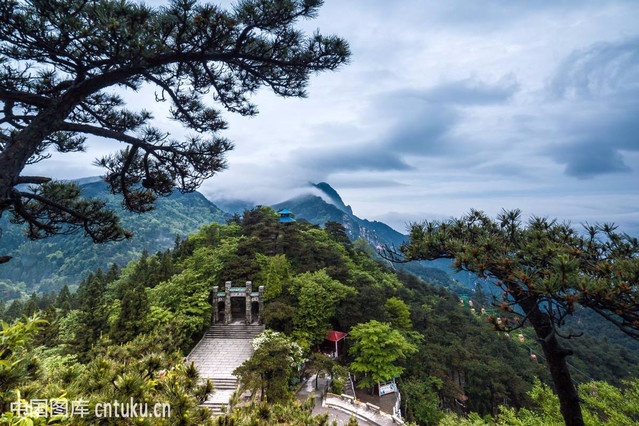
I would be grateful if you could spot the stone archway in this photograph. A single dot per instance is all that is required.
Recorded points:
(238, 309)
(237, 303)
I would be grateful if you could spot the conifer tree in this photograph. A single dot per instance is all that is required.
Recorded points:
(134, 308)
(32, 305)
(61, 61)
(545, 271)
(93, 316)
(113, 273)
(64, 299)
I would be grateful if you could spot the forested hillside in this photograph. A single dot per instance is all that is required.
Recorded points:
(47, 265)
(123, 333)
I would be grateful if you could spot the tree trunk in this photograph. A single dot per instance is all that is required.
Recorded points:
(564, 386)
(24, 144)
(556, 358)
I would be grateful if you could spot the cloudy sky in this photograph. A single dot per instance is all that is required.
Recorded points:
(448, 105)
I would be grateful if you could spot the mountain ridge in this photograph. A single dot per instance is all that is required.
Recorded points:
(48, 264)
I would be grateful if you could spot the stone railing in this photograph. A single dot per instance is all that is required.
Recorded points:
(366, 412)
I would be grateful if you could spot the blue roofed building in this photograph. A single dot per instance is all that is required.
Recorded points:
(286, 215)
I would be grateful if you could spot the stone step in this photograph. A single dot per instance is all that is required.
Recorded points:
(227, 337)
(225, 386)
(234, 332)
(231, 336)
(224, 383)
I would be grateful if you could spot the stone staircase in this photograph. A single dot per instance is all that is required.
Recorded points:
(222, 349)
(234, 331)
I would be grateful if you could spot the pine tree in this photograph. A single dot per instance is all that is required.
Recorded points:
(113, 273)
(93, 316)
(546, 270)
(32, 305)
(64, 299)
(134, 308)
(60, 61)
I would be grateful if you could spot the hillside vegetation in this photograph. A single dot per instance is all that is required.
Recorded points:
(124, 332)
(47, 265)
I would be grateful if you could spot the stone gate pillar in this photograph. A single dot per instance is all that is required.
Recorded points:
(216, 314)
(260, 308)
(227, 302)
(249, 290)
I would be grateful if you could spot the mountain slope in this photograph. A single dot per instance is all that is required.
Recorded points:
(48, 264)
(317, 210)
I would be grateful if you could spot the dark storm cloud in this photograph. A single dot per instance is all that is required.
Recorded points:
(359, 183)
(600, 86)
(415, 123)
(600, 71)
(473, 92)
(425, 118)
(351, 158)
(585, 160)
(422, 130)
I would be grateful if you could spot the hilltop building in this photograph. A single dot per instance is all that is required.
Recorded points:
(286, 215)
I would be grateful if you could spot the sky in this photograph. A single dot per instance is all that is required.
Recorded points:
(444, 107)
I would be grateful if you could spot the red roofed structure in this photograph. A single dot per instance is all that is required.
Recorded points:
(335, 336)
(334, 341)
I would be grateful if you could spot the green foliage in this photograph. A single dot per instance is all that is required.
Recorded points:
(144, 369)
(270, 368)
(18, 365)
(337, 385)
(178, 214)
(61, 91)
(398, 314)
(331, 285)
(421, 396)
(269, 413)
(318, 295)
(93, 311)
(603, 404)
(132, 318)
(377, 350)
(275, 272)
(321, 365)
(279, 316)
(545, 270)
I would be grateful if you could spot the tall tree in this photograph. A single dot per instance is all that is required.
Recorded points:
(377, 350)
(318, 296)
(134, 308)
(545, 270)
(93, 315)
(65, 63)
(398, 314)
(270, 367)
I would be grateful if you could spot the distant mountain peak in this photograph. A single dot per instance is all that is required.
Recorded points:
(333, 196)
